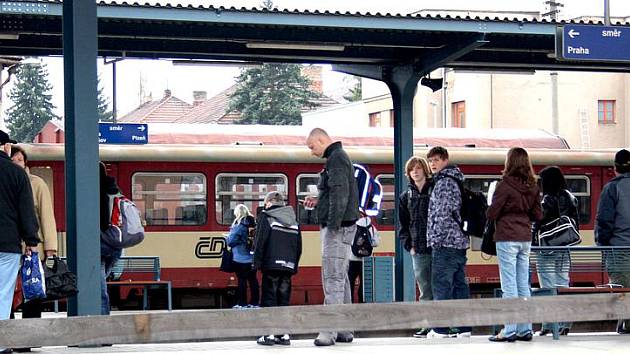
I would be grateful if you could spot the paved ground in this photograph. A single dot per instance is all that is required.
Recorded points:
(574, 344)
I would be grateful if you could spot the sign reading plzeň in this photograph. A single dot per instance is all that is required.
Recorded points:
(596, 43)
(127, 133)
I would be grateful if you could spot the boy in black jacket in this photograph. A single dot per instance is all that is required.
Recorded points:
(277, 251)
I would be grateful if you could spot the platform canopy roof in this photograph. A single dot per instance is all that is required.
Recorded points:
(166, 31)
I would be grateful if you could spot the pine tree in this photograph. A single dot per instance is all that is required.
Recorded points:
(102, 104)
(272, 94)
(32, 106)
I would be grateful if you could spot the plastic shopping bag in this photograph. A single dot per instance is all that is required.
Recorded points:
(33, 282)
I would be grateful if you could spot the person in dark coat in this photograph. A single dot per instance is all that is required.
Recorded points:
(413, 213)
(109, 255)
(612, 226)
(557, 201)
(277, 252)
(515, 205)
(18, 223)
(337, 211)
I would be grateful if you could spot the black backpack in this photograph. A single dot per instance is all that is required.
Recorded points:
(362, 243)
(473, 211)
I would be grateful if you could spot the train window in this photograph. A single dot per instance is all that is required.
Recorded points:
(480, 183)
(249, 189)
(580, 186)
(388, 205)
(170, 198)
(306, 185)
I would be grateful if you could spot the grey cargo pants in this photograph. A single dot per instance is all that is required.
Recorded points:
(335, 262)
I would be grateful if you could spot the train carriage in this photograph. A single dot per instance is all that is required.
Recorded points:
(187, 194)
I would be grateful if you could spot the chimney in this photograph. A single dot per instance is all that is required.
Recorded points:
(199, 97)
(314, 73)
(167, 93)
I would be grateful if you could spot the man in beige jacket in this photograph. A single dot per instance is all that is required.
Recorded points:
(45, 214)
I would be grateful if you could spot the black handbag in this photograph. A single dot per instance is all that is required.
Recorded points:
(559, 232)
(488, 245)
(227, 260)
(60, 281)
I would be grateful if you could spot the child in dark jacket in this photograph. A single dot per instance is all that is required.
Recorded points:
(277, 251)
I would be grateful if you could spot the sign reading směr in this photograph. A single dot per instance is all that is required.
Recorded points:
(110, 133)
(596, 43)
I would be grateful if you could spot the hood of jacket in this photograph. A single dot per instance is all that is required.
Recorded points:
(284, 215)
(517, 184)
(449, 171)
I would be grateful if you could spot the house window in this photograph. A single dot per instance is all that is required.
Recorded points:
(606, 112)
(375, 119)
(458, 110)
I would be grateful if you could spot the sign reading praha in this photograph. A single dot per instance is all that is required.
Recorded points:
(596, 43)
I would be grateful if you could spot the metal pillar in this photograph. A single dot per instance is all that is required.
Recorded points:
(81, 149)
(402, 82)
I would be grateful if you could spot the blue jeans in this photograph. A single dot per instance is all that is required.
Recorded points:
(514, 271)
(421, 263)
(554, 274)
(9, 267)
(448, 278)
(108, 260)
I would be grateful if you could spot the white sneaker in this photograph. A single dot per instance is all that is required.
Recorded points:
(434, 334)
(464, 335)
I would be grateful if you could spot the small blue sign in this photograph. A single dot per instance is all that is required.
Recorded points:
(597, 43)
(127, 133)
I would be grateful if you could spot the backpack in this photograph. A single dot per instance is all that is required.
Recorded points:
(473, 211)
(370, 191)
(362, 243)
(126, 228)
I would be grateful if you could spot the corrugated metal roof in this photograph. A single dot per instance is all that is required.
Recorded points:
(296, 11)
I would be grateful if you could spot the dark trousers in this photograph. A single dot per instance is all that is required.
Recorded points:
(448, 277)
(246, 275)
(276, 288)
(32, 309)
(355, 271)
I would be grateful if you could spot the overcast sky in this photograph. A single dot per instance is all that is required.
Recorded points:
(160, 75)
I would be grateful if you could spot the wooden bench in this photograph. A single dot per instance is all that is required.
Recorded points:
(582, 259)
(142, 264)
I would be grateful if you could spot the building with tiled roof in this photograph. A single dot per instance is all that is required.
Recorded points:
(165, 110)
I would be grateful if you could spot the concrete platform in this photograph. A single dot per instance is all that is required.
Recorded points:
(574, 344)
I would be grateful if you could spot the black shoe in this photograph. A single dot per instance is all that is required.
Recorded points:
(564, 331)
(21, 350)
(283, 340)
(500, 338)
(266, 340)
(527, 337)
(544, 332)
(422, 333)
(345, 337)
(6, 351)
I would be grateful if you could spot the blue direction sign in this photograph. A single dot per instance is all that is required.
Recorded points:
(597, 43)
(109, 133)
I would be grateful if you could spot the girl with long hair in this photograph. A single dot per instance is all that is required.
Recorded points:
(243, 257)
(515, 205)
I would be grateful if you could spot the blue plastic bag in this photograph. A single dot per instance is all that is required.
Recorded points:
(33, 282)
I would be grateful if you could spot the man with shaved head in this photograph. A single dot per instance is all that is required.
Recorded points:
(337, 211)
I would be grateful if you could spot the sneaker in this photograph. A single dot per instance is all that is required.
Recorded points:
(501, 338)
(527, 337)
(434, 334)
(344, 337)
(463, 335)
(544, 332)
(266, 340)
(283, 340)
(237, 307)
(324, 339)
(422, 333)
(453, 332)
